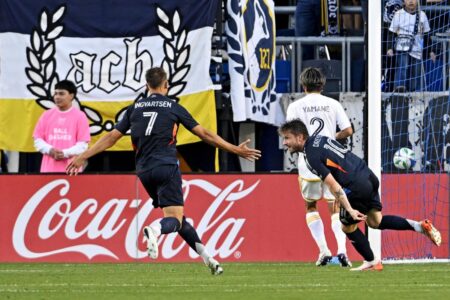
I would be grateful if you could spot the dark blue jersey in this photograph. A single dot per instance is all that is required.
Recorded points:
(154, 125)
(325, 156)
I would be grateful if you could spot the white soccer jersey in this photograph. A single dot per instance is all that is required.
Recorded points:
(320, 114)
(403, 23)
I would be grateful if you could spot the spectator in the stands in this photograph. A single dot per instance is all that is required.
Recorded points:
(407, 33)
(352, 23)
(308, 16)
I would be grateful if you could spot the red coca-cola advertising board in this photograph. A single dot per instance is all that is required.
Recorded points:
(99, 218)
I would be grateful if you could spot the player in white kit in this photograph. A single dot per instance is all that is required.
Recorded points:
(321, 115)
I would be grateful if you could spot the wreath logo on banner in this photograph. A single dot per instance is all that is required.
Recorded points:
(42, 63)
(176, 51)
(42, 66)
(176, 56)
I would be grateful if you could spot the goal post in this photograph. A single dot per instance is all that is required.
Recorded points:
(374, 105)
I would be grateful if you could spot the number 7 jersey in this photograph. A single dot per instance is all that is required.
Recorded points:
(154, 123)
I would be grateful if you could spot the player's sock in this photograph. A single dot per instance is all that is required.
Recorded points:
(315, 225)
(361, 244)
(395, 223)
(201, 250)
(339, 234)
(416, 225)
(189, 234)
(166, 225)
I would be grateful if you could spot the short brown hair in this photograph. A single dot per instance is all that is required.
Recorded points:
(155, 77)
(312, 80)
(296, 127)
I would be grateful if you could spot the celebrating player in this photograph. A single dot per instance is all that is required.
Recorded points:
(154, 124)
(354, 185)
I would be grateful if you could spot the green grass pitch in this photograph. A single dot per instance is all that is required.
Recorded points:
(239, 281)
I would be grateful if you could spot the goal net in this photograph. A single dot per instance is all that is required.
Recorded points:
(416, 115)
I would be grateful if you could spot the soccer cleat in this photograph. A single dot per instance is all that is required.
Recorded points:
(214, 266)
(344, 261)
(152, 242)
(431, 232)
(374, 265)
(324, 258)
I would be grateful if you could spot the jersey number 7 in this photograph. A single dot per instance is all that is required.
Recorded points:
(152, 115)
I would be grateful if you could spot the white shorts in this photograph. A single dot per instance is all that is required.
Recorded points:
(313, 189)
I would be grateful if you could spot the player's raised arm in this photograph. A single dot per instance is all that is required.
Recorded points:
(213, 139)
(102, 144)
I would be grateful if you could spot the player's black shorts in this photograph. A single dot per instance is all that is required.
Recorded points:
(164, 185)
(363, 197)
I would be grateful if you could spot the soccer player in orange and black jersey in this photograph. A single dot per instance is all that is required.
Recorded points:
(327, 156)
(153, 123)
(354, 185)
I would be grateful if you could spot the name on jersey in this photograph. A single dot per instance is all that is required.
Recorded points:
(309, 109)
(316, 142)
(153, 104)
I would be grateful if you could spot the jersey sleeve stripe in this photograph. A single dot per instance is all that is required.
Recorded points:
(332, 164)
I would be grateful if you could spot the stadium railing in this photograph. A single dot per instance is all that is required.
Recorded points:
(295, 46)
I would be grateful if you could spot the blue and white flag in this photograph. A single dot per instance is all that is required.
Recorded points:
(105, 47)
(250, 32)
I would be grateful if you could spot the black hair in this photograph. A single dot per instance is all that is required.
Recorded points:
(295, 127)
(68, 86)
(312, 80)
(155, 77)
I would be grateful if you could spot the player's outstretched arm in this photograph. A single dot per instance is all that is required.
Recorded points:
(213, 139)
(105, 142)
(340, 196)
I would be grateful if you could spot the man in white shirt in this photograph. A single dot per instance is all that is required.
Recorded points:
(409, 26)
(321, 115)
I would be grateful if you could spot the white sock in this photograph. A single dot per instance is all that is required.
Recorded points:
(338, 234)
(315, 225)
(156, 228)
(416, 225)
(201, 250)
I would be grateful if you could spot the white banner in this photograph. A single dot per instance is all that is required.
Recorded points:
(250, 32)
(105, 50)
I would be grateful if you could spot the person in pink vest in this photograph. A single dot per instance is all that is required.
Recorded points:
(61, 132)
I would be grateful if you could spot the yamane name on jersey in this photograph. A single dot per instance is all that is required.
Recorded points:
(320, 114)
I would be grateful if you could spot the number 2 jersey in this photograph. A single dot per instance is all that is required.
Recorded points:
(321, 115)
(325, 156)
(154, 123)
